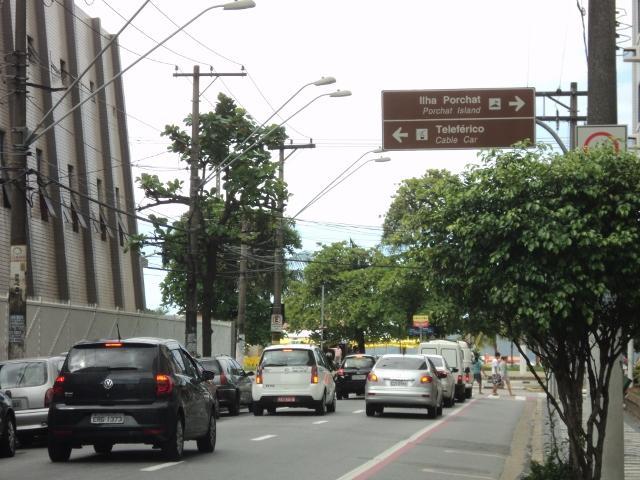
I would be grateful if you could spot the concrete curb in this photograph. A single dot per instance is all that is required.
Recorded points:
(517, 461)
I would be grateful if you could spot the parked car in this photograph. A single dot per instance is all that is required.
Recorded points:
(467, 361)
(296, 375)
(7, 426)
(30, 383)
(405, 381)
(351, 377)
(454, 355)
(447, 379)
(211, 386)
(139, 390)
(233, 383)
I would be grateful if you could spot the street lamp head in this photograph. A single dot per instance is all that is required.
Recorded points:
(377, 150)
(382, 159)
(324, 81)
(239, 5)
(340, 93)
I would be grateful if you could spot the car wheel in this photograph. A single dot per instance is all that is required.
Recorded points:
(371, 410)
(380, 410)
(216, 406)
(331, 408)
(58, 451)
(173, 448)
(9, 439)
(271, 410)
(468, 393)
(234, 408)
(321, 408)
(432, 412)
(449, 402)
(257, 410)
(207, 444)
(439, 410)
(103, 448)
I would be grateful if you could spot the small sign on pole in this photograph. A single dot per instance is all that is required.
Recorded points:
(588, 136)
(420, 321)
(276, 322)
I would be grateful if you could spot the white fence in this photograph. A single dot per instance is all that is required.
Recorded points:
(54, 327)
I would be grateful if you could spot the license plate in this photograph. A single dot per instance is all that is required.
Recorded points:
(358, 377)
(398, 383)
(286, 399)
(102, 418)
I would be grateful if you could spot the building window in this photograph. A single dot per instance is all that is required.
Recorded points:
(64, 74)
(44, 206)
(75, 221)
(4, 176)
(30, 49)
(118, 198)
(121, 234)
(103, 228)
(92, 88)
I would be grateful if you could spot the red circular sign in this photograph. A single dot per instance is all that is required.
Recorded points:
(595, 136)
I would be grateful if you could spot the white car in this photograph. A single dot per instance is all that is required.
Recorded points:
(296, 375)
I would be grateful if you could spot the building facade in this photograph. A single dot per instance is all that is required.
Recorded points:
(80, 201)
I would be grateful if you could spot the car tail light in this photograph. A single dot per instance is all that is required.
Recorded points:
(259, 376)
(466, 378)
(426, 379)
(58, 388)
(341, 372)
(442, 374)
(164, 384)
(314, 375)
(372, 377)
(113, 345)
(459, 378)
(48, 396)
(223, 378)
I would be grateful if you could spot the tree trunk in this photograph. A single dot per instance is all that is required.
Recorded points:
(360, 340)
(209, 296)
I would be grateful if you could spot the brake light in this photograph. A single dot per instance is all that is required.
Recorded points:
(48, 396)
(223, 378)
(466, 378)
(112, 345)
(58, 388)
(372, 377)
(314, 375)
(340, 372)
(459, 378)
(259, 376)
(426, 379)
(164, 384)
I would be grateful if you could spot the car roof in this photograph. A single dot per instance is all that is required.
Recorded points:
(359, 355)
(149, 340)
(442, 341)
(399, 355)
(299, 346)
(33, 359)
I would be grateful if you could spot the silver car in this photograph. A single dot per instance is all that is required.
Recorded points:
(408, 381)
(30, 381)
(446, 377)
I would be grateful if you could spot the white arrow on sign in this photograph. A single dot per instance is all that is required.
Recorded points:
(518, 103)
(399, 135)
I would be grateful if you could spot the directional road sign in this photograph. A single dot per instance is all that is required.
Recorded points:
(455, 119)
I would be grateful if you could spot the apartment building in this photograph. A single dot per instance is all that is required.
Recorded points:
(80, 201)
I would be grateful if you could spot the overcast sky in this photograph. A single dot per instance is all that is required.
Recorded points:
(368, 46)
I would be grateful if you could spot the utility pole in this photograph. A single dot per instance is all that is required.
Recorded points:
(276, 311)
(322, 318)
(18, 185)
(573, 118)
(602, 110)
(242, 295)
(194, 218)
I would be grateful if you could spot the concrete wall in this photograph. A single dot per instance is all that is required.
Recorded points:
(54, 327)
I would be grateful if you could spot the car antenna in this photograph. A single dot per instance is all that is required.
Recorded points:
(118, 330)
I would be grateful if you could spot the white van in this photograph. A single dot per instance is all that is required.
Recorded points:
(467, 355)
(453, 354)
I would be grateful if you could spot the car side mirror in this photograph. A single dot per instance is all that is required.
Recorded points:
(208, 375)
(8, 393)
(454, 370)
(249, 374)
(467, 370)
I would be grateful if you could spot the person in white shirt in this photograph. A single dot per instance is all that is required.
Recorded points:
(495, 373)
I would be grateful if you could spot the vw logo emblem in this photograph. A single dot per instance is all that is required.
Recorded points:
(107, 384)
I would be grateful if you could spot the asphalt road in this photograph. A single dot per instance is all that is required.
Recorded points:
(469, 442)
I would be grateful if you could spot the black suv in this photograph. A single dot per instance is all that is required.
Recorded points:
(234, 384)
(139, 390)
(351, 377)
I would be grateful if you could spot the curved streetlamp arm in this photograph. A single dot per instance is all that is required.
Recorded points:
(553, 134)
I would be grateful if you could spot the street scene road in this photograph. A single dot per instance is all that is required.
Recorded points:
(471, 440)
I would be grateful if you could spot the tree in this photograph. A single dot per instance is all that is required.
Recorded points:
(250, 192)
(545, 249)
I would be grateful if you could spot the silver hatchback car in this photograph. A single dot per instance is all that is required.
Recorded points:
(408, 381)
(446, 377)
(30, 381)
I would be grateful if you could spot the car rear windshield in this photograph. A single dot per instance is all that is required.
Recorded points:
(23, 374)
(287, 357)
(437, 361)
(450, 355)
(402, 363)
(211, 365)
(359, 362)
(126, 357)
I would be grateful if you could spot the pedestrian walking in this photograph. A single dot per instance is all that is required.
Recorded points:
(476, 369)
(495, 374)
(504, 373)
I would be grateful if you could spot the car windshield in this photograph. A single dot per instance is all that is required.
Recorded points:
(358, 362)
(211, 365)
(402, 363)
(126, 357)
(437, 361)
(23, 374)
(287, 357)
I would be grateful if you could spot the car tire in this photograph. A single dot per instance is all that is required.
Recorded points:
(331, 408)
(321, 407)
(468, 393)
(449, 402)
(58, 451)
(271, 410)
(380, 410)
(234, 407)
(439, 409)
(257, 410)
(371, 410)
(9, 439)
(103, 448)
(173, 448)
(207, 444)
(432, 412)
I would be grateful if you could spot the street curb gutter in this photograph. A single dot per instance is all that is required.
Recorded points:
(523, 438)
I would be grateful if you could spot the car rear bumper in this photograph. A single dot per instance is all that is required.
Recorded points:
(226, 396)
(32, 420)
(409, 398)
(269, 401)
(348, 386)
(313, 392)
(146, 423)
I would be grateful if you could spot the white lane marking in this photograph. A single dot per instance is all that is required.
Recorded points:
(162, 465)
(357, 411)
(466, 452)
(320, 422)
(381, 457)
(444, 472)
(264, 437)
